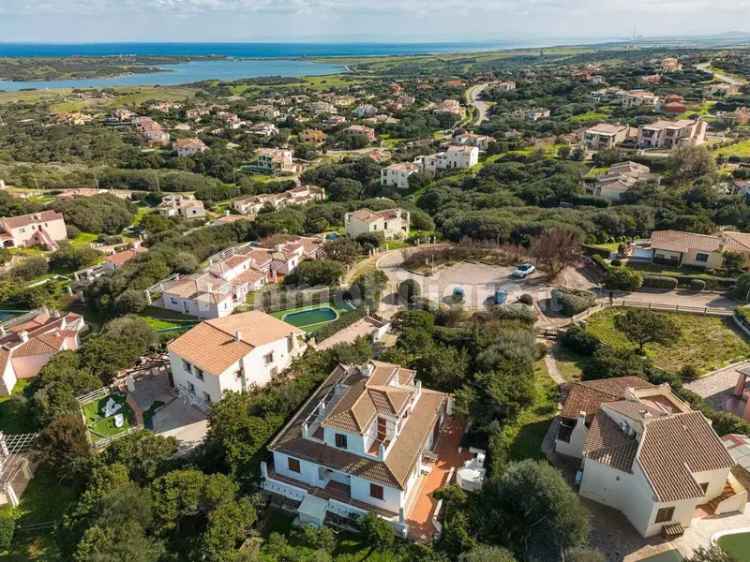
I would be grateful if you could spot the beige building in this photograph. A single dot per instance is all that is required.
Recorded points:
(605, 136)
(181, 206)
(273, 161)
(29, 342)
(645, 453)
(45, 229)
(619, 179)
(313, 136)
(189, 147)
(392, 223)
(675, 247)
(672, 134)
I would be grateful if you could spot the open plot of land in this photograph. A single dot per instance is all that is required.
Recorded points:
(741, 149)
(706, 342)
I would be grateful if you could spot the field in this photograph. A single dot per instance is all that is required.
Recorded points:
(161, 319)
(589, 116)
(706, 342)
(741, 149)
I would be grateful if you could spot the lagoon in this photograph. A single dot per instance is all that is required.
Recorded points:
(190, 72)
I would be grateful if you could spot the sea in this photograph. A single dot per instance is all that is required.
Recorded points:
(242, 60)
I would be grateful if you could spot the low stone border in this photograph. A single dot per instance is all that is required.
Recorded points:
(716, 536)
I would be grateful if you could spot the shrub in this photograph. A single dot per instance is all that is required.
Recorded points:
(7, 530)
(623, 280)
(572, 302)
(660, 282)
(594, 251)
(516, 311)
(30, 268)
(697, 285)
(616, 262)
(689, 373)
(526, 299)
(601, 262)
(409, 291)
(577, 339)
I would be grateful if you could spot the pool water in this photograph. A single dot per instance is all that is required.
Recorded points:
(737, 546)
(311, 317)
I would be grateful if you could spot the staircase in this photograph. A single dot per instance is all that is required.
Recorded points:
(726, 493)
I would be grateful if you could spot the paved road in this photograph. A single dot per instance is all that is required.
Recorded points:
(721, 77)
(483, 107)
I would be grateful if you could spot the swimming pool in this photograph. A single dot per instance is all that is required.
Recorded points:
(311, 317)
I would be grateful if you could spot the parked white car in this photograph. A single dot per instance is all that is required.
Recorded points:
(523, 271)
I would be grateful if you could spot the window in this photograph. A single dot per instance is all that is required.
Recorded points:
(191, 388)
(269, 358)
(704, 487)
(701, 257)
(376, 491)
(341, 441)
(664, 515)
(187, 366)
(207, 397)
(199, 374)
(293, 465)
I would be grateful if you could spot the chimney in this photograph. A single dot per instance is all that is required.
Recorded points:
(237, 336)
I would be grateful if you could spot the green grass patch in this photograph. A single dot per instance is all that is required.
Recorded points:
(15, 416)
(532, 424)
(737, 546)
(162, 319)
(741, 149)
(569, 363)
(45, 500)
(706, 342)
(589, 116)
(669, 556)
(105, 427)
(83, 239)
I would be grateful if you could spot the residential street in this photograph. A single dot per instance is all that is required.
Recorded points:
(483, 107)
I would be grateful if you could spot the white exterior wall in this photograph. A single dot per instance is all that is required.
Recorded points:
(7, 379)
(573, 448)
(195, 307)
(392, 497)
(396, 177)
(354, 441)
(256, 371)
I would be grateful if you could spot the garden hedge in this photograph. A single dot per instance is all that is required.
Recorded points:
(660, 282)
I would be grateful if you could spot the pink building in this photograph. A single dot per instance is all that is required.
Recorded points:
(27, 343)
(37, 229)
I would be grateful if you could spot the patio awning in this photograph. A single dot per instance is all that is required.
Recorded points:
(313, 509)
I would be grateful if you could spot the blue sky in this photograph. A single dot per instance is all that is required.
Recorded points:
(362, 20)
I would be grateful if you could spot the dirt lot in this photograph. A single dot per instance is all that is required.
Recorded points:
(479, 282)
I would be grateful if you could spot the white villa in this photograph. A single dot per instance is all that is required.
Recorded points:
(605, 136)
(360, 444)
(645, 453)
(455, 157)
(233, 353)
(397, 175)
(671, 134)
(45, 229)
(393, 223)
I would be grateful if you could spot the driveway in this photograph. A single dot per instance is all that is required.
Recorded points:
(184, 422)
(683, 298)
(479, 282)
(717, 388)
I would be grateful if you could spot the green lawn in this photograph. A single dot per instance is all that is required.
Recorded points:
(670, 556)
(105, 427)
(161, 319)
(737, 546)
(83, 240)
(14, 412)
(569, 363)
(741, 149)
(44, 501)
(706, 342)
(532, 424)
